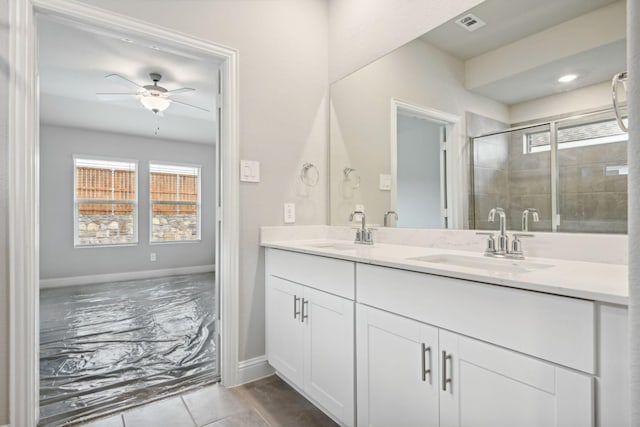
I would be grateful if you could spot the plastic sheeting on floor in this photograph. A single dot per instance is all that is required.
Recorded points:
(118, 344)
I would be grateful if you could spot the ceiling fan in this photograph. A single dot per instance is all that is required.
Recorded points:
(153, 97)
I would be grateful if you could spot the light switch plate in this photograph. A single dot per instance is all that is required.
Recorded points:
(385, 182)
(289, 213)
(249, 171)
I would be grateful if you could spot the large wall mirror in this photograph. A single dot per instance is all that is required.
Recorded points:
(507, 105)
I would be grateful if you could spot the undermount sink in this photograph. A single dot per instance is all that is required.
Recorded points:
(505, 265)
(335, 246)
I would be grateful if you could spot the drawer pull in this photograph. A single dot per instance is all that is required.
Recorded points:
(445, 380)
(426, 371)
(296, 312)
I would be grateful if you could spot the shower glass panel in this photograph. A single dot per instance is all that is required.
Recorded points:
(509, 172)
(592, 166)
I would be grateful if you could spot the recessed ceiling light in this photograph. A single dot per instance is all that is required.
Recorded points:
(568, 78)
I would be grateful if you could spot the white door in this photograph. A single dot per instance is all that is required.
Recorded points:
(285, 328)
(493, 387)
(329, 353)
(397, 360)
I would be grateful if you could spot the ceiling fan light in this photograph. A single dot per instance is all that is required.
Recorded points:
(156, 104)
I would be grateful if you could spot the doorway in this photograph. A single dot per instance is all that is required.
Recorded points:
(423, 151)
(23, 192)
(128, 302)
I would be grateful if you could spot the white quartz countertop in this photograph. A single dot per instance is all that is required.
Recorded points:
(586, 280)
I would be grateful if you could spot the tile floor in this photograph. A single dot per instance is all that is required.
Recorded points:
(269, 402)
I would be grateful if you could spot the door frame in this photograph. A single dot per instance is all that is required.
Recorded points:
(23, 138)
(450, 161)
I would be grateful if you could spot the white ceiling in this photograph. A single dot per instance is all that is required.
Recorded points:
(508, 21)
(74, 60)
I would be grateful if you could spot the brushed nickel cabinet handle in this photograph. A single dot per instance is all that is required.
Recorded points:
(426, 371)
(445, 380)
(304, 315)
(296, 312)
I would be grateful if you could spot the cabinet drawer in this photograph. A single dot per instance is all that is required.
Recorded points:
(326, 274)
(554, 328)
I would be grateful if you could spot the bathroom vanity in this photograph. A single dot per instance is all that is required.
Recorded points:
(399, 335)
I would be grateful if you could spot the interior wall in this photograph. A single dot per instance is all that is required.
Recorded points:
(283, 66)
(586, 98)
(4, 212)
(361, 31)
(58, 257)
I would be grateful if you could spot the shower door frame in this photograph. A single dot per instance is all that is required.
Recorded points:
(23, 189)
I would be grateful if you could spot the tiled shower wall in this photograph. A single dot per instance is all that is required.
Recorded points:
(504, 175)
(589, 200)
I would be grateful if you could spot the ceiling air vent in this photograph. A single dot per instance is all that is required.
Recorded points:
(470, 22)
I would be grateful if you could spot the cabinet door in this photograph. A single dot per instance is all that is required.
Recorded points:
(494, 387)
(284, 328)
(329, 353)
(397, 360)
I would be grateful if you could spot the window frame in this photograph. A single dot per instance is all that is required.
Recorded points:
(198, 202)
(77, 202)
(610, 139)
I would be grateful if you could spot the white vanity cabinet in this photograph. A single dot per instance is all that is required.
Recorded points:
(429, 350)
(309, 331)
(413, 374)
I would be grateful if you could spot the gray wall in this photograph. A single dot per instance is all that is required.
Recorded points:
(58, 257)
(4, 214)
(418, 203)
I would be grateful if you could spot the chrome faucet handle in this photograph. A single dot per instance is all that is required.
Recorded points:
(490, 249)
(516, 245)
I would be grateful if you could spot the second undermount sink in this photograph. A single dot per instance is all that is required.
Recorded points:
(335, 246)
(504, 265)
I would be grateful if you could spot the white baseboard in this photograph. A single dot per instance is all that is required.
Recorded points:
(253, 369)
(118, 277)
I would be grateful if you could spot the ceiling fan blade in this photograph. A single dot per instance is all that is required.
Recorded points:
(116, 78)
(115, 96)
(189, 105)
(181, 90)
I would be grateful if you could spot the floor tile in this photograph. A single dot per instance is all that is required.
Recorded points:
(165, 413)
(113, 421)
(243, 419)
(213, 403)
(281, 405)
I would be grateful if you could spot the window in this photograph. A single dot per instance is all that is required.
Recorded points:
(582, 135)
(105, 202)
(175, 202)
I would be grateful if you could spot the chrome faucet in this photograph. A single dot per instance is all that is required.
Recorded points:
(364, 236)
(525, 218)
(500, 248)
(386, 217)
(502, 244)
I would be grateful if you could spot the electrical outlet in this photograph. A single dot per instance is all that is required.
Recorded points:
(289, 213)
(153, 257)
(360, 208)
